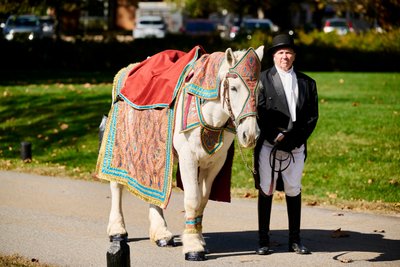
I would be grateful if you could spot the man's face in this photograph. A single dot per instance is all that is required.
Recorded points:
(284, 58)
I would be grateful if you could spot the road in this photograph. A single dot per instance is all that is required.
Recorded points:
(63, 222)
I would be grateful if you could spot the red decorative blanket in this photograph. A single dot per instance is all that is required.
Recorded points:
(153, 83)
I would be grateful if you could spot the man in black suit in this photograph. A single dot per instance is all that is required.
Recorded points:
(287, 115)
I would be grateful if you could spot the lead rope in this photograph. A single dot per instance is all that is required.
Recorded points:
(228, 104)
(272, 164)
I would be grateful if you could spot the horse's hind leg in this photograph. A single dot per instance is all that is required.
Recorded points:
(116, 224)
(158, 231)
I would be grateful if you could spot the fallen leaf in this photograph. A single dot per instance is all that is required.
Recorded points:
(338, 214)
(338, 233)
(280, 195)
(312, 203)
(64, 126)
(344, 260)
(332, 195)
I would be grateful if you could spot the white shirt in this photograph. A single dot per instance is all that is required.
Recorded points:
(289, 81)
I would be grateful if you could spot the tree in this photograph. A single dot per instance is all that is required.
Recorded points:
(385, 13)
(8, 7)
(202, 9)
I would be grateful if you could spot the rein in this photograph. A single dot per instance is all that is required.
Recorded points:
(272, 164)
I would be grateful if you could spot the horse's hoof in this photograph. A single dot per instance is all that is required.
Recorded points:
(164, 243)
(118, 237)
(195, 256)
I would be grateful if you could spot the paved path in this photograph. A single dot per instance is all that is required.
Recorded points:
(63, 222)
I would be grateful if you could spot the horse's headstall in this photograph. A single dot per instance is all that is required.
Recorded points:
(248, 69)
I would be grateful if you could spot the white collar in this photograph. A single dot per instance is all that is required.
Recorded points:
(283, 73)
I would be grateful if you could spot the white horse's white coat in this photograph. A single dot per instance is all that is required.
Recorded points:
(198, 169)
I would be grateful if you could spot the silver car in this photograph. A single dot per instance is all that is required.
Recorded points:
(48, 25)
(250, 25)
(339, 25)
(24, 27)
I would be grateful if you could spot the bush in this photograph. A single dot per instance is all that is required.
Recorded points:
(364, 42)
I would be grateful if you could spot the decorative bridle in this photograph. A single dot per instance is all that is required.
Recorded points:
(248, 69)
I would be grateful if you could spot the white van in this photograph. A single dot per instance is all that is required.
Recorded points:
(149, 27)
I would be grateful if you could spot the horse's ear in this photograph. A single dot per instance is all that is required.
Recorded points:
(260, 52)
(230, 57)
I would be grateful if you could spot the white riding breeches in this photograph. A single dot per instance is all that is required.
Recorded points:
(291, 174)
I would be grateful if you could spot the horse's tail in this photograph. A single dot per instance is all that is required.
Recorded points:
(119, 81)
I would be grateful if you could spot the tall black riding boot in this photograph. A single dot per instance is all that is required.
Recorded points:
(294, 216)
(264, 215)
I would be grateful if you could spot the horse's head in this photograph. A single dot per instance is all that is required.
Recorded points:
(240, 74)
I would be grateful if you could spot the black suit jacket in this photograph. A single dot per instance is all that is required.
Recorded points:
(274, 115)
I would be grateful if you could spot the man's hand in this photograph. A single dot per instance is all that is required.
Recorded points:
(279, 138)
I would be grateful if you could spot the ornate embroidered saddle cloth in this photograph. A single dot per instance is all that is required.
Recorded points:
(137, 152)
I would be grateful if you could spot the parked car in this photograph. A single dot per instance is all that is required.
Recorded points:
(339, 25)
(251, 25)
(48, 25)
(149, 27)
(200, 27)
(24, 27)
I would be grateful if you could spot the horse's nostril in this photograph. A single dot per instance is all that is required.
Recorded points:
(244, 136)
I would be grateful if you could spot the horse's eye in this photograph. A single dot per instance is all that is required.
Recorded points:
(234, 89)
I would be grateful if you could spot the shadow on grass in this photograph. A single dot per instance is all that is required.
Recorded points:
(49, 76)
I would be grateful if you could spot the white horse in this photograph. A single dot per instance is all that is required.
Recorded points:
(198, 169)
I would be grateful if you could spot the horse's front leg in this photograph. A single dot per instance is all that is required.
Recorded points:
(191, 238)
(206, 177)
(158, 231)
(116, 224)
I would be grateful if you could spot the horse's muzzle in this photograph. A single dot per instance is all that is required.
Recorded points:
(248, 132)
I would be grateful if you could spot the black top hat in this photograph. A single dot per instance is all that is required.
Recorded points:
(281, 41)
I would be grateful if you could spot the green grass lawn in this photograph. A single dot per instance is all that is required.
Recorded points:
(353, 155)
